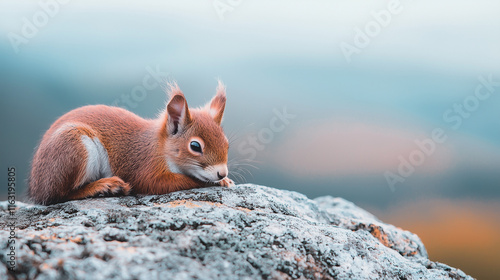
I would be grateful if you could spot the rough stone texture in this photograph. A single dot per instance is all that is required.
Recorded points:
(244, 232)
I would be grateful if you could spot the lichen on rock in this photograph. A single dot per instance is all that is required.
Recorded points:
(244, 232)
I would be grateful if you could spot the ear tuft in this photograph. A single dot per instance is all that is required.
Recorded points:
(216, 106)
(173, 89)
(221, 89)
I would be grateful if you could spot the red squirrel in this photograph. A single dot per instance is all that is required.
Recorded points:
(101, 150)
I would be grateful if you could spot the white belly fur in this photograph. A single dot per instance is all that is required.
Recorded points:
(97, 160)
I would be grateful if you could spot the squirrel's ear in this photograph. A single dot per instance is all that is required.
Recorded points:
(177, 113)
(217, 104)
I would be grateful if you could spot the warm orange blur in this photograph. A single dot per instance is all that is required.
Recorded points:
(463, 234)
(361, 148)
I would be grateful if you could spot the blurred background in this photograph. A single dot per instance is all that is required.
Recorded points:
(324, 97)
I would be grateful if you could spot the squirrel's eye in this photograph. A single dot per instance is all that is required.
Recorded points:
(195, 146)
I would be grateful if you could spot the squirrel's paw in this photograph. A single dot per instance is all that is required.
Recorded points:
(112, 186)
(226, 182)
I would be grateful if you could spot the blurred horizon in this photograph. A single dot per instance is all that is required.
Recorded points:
(352, 119)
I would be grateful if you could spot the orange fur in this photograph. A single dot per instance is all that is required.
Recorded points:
(142, 154)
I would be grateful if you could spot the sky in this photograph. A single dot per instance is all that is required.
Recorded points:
(324, 97)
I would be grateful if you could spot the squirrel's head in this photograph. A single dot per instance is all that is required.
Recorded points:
(196, 145)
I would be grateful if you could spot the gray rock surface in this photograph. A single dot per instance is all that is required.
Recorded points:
(244, 232)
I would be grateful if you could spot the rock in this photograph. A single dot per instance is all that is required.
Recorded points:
(244, 232)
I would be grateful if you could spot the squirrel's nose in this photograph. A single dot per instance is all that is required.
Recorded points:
(221, 176)
(221, 171)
